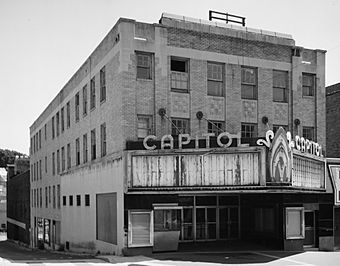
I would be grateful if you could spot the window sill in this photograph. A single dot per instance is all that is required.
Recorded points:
(142, 79)
(219, 96)
(252, 99)
(102, 101)
(279, 101)
(179, 90)
(308, 97)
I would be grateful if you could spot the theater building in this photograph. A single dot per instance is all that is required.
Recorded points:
(165, 135)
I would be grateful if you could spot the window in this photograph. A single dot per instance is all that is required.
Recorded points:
(248, 130)
(76, 106)
(295, 226)
(53, 163)
(93, 144)
(280, 88)
(40, 197)
(63, 159)
(40, 169)
(93, 93)
(58, 196)
(87, 200)
(264, 220)
(215, 79)
(85, 100)
(276, 128)
(85, 148)
(68, 156)
(62, 120)
(64, 200)
(308, 84)
(248, 83)
(179, 74)
(140, 228)
(45, 164)
(144, 125)
(308, 133)
(53, 132)
(70, 200)
(45, 130)
(179, 126)
(58, 162)
(58, 122)
(46, 198)
(103, 139)
(102, 85)
(39, 138)
(143, 66)
(77, 151)
(68, 115)
(215, 127)
(53, 197)
(49, 194)
(78, 200)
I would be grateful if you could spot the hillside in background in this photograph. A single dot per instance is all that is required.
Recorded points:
(7, 157)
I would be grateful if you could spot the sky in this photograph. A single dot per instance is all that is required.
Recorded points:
(44, 42)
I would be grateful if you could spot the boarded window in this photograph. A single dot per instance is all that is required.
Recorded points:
(295, 228)
(107, 217)
(140, 228)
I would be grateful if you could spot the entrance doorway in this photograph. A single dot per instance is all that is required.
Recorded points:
(309, 229)
(229, 222)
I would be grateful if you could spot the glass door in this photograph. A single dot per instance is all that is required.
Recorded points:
(228, 222)
(309, 229)
(205, 223)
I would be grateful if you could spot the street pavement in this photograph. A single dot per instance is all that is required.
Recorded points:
(12, 254)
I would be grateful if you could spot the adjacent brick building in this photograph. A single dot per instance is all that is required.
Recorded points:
(104, 179)
(332, 120)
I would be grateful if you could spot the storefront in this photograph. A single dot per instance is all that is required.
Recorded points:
(273, 193)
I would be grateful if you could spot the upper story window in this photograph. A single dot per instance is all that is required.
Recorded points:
(45, 131)
(103, 139)
(53, 132)
(58, 123)
(62, 120)
(85, 148)
(215, 127)
(215, 79)
(76, 106)
(102, 85)
(179, 75)
(77, 151)
(62, 158)
(93, 144)
(85, 100)
(39, 138)
(308, 133)
(180, 126)
(280, 88)
(68, 115)
(144, 126)
(93, 93)
(68, 156)
(248, 130)
(308, 84)
(248, 83)
(144, 63)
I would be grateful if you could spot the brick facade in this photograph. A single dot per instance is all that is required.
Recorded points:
(332, 122)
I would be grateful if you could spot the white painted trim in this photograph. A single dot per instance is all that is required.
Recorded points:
(20, 224)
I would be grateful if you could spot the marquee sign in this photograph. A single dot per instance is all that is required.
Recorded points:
(167, 141)
(300, 143)
(225, 140)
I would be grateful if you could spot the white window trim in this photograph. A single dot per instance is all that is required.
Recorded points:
(130, 237)
(301, 210)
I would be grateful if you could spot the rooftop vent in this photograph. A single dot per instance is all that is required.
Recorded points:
(227, 17)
